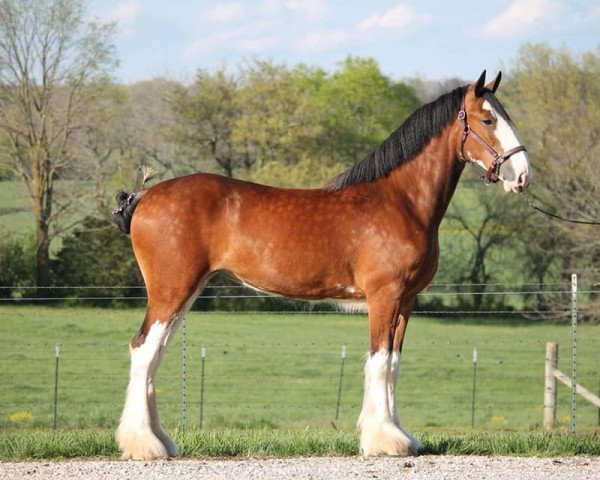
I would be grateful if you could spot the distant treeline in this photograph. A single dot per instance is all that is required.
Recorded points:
(72, 137)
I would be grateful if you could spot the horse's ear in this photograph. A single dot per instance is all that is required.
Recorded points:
(480, 85)
(493, 85)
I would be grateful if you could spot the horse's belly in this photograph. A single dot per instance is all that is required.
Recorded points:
(302, 285)
(346, 298)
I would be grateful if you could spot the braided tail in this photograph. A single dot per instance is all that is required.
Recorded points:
(126, 203)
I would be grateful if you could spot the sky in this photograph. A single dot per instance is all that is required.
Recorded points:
(433, 39)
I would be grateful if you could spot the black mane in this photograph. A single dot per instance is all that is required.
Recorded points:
(403, 144)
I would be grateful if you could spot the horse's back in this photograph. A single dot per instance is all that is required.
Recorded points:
(322, 243)
(267, 236)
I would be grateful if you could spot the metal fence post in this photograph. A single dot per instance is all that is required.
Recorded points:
(339, 397)
(56, 356)
(203, 356)
(574, 364)
(183, 376)
(474, 387)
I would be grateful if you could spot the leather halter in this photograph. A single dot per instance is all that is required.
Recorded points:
(493, 171)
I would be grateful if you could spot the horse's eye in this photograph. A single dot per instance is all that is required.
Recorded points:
(487, 121)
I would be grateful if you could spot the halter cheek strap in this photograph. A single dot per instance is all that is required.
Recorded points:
(492, 174)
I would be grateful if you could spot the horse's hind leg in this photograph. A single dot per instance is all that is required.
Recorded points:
(140, 435)
(155, 424)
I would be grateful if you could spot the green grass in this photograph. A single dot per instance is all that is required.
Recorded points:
(281, 371)
(17, 216)
(16, 213)
(61, 444)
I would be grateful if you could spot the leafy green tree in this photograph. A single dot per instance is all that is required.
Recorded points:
(204, 117)
(554, 95)
(358, 105)
(481, 252)
(295, 127)
(95, 254)
(277, 121)
(17, 265)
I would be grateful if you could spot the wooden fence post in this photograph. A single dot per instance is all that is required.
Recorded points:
(550, 385)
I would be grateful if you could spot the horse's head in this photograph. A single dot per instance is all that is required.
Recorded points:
(489, 137)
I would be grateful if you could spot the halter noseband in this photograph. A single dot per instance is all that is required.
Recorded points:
(493, 171)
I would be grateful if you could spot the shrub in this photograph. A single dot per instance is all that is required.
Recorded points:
(17, 266)
(97, 255)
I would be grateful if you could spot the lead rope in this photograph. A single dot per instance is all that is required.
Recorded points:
(529, 202)
(553, 215)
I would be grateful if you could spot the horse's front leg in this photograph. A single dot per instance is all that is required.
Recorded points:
(395, 375)
(381, 433)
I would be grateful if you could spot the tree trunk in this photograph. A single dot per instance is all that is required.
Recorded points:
(42, 234)
(44, 186)
(42, 274)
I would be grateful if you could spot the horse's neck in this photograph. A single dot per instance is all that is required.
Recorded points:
(428, 181)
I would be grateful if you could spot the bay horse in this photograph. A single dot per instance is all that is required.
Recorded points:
(370, 235)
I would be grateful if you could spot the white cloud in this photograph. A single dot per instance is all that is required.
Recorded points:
(521, 16)
(123, 13)
(594, 13)
(255, 37)
(399, 17)
(203, 46)
(256, 44)
(311, 8)
(222, 12)
(270, 7)
(295, 24)
(323, 40)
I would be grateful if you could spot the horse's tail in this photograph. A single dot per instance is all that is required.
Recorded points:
(126, 203)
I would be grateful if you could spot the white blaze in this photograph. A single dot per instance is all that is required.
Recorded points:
(516, 171)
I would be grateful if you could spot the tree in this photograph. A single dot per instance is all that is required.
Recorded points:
(101, 141)
(149, 126)
(484, 221)
(358, 105)
(278, 122)
(95, 255)
(125, 129)
(428, 90)
(48, 59)
(555, 95)
(16, 265)
(204, 119)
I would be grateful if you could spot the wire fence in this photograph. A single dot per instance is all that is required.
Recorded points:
(284, 369)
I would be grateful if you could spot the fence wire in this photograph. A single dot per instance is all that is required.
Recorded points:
(282, 369)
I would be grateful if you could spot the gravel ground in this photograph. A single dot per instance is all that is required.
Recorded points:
(425, 467)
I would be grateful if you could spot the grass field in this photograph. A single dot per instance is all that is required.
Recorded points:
(16, 217)
(281, 371)
(63, 444)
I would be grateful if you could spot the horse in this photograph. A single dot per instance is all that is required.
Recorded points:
(370, 235)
